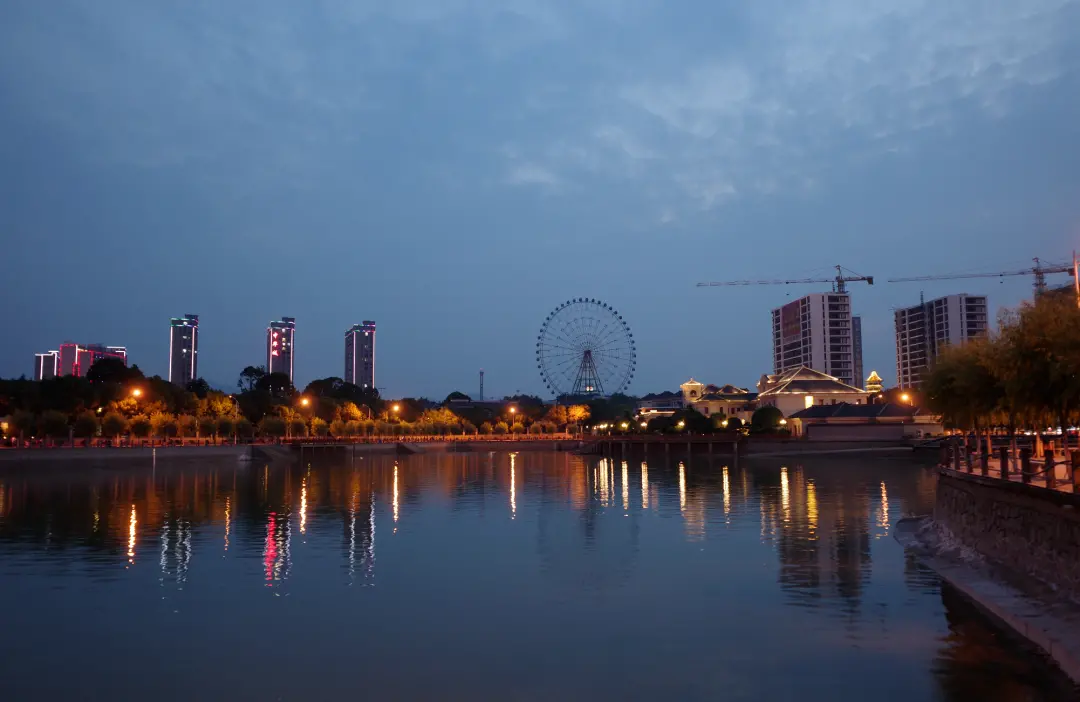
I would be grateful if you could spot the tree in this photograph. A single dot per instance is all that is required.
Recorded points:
(249, 377)
(468, 427)
(339, 428)
(86, 425)
(486, 428)
(277, 384)
(23, 423)
(199, 387)
(188, 425)
(501, 428)
(272, 426)
(440, 415)
(141, 426)
(456, 395)
(114, 424)
(158, 420)
(765, 419)
(350, 412)
(576, 414)
(226, 427)
(113, 370)
(298, 427)
(733, 423)
(207, 426)
(518, 428)
(53, 424)
(319, 427)
(245, 428)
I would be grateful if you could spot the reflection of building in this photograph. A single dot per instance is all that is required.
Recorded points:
(802, 387)
(46, 365)
(279, 346)
(924, 330)
(817, 331)
(360, 354)
(76, 359)
(183, 349)
(856, 347)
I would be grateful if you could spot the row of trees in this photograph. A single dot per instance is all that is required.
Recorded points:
(1025, 375)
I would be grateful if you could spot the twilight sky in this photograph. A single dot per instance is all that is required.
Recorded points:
(454, 169)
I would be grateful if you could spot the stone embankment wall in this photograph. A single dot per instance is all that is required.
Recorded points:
(1026, 529)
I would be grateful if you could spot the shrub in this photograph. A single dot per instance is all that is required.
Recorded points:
(272, 426)
(207, 426)
(189, 426)
(245, 428)
(339, 428)
(501, 428)
(486, 428)
(468, 427)
(86, 425)
(319, 427)
(765, 419)
(24, 423)
(225, 427)
(141, 426)
(298, 427)
(53, 424)
(114, 424)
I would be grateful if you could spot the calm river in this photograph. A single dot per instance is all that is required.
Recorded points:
(536, 576)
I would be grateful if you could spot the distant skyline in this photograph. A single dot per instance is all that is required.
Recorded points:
(455, 170)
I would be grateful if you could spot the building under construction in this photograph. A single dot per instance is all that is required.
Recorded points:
(818, 331)
(924, 330)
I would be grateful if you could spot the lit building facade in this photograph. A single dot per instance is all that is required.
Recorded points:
(360, 354)
(818, 332)
(76, 359)
(46, 365)
(280, 337)
(184, 349)
(924, 330)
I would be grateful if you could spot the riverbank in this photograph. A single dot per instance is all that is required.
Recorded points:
(1034, 611)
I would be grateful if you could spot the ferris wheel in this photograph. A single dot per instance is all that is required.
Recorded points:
(585, 348)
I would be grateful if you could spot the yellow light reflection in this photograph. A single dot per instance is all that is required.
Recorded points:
(682, 486)
(625, 485)
(785, 495)
(644, 485)
(605, 497)
(131, 535)
(811, 507)
(303, 506)
(727, 493)
(883, 520)
(395, 496)
(513, 488)
(228, 522)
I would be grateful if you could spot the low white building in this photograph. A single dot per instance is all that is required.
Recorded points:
(804, 387)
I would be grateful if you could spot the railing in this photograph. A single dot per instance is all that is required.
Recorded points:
(1051, 472)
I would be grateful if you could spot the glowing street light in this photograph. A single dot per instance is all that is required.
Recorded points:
(682, 423)
(136, 392)
(783, 422)
(644, 424)
(304, 401)
(624, 426)
(906, 398)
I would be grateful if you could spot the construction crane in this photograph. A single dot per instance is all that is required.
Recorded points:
(839, 282)
(1039, 271)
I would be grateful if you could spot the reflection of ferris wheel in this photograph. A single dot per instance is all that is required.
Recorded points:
(585, 348)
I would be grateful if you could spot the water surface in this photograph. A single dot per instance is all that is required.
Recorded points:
(536, 576)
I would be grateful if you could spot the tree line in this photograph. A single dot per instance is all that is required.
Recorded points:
(1024, 375)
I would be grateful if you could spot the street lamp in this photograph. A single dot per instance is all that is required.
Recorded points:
(783, 422)
(624, 426)
(644, 424)
(304, 402)
(396, 409)
(682, 423)
(136, 392)
(906, 398)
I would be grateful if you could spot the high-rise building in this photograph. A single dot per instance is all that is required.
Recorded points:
(360, 354)
(184, 349)
(279, 346)
(856, 346)
(924, 330)
(46, 365)
(76, 359)
(816, 331)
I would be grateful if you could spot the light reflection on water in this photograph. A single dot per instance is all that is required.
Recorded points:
(529, 575)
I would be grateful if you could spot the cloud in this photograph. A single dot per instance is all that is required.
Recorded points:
(531, 174)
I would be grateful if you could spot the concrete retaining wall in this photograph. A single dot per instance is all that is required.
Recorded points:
(1025, 529)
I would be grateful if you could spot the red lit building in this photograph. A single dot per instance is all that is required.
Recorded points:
(76, 359)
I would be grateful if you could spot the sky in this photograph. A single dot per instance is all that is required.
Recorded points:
(455, 169)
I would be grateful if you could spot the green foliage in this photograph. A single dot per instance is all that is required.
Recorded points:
(114, 371)
(298, 427)
(272, 426)
(245, 428)
(199, 388)
(518, 428)
(339, 428)
(319, 427)
(501, 428)
(53, 424)
(114, 424)
(171, 428)
(249, 377)
(226, 427)
(158, 420)
(727, 423)
(188, 425)
(141, 426)
(765, 419)
(277, 384)
(23, 422)
(207, 427)
(86, 425)
(486, 428)
(468, 427)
